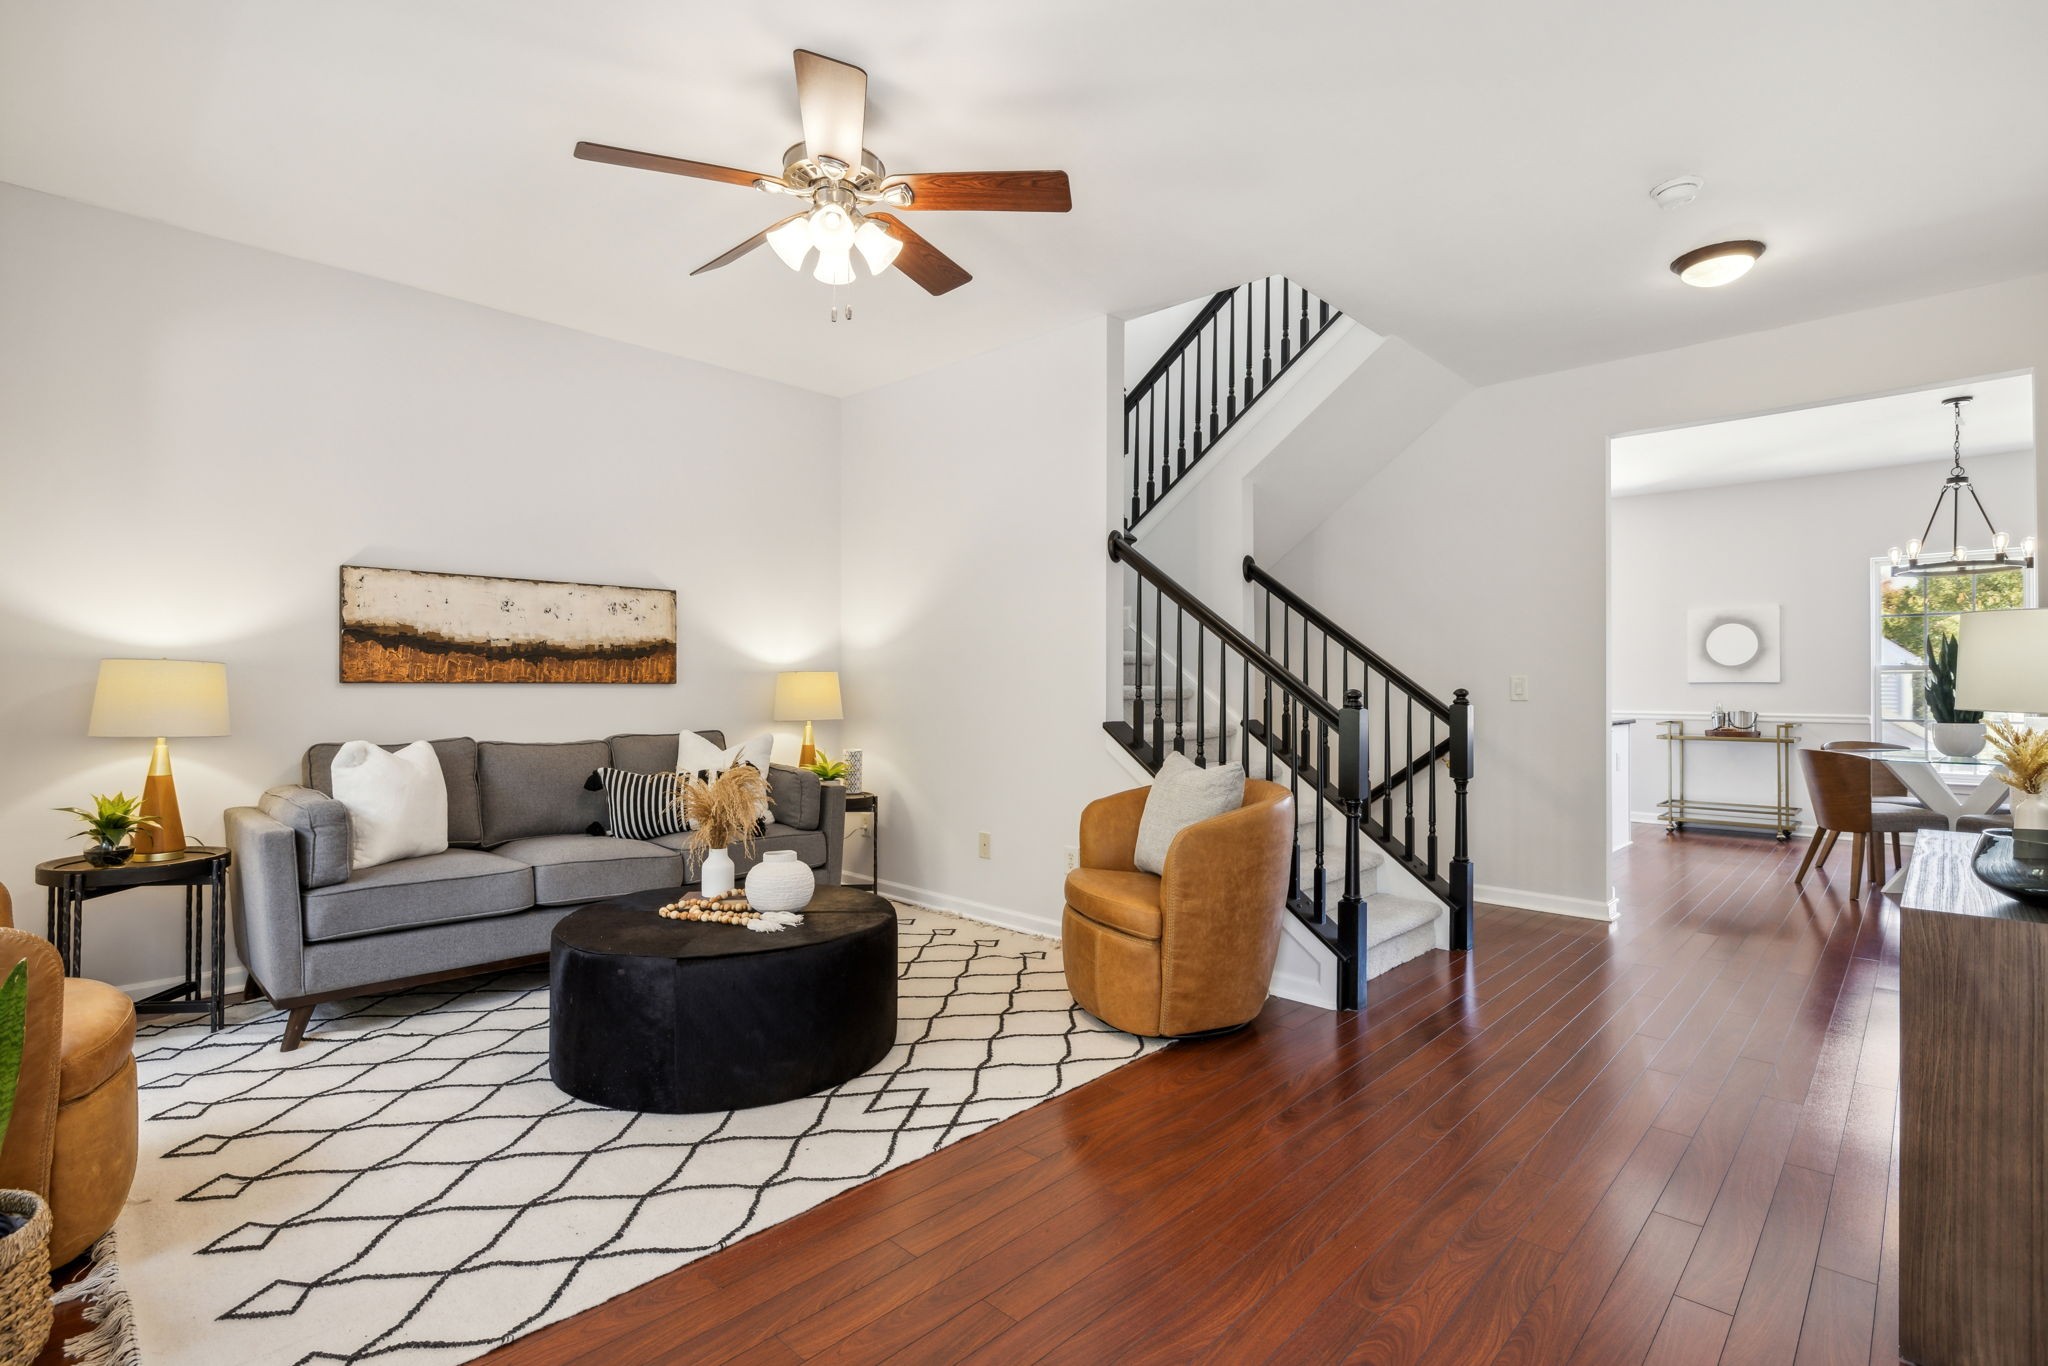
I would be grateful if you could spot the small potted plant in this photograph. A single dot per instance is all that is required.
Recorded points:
(828, 769)
(24, 1217)
(1955, 732)
(108, 825)
(2024, 756)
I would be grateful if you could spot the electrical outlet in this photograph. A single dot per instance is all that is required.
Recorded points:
(1518, 687)
(1073, 859)
(981, 845)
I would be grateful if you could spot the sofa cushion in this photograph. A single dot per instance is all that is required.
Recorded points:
(537, 789)
(439, 889)
(1120, 901)
(638, 806)
(652, 753)
(458, 768)
(99, 1036)
(799, 796)
(319, 826)
(809, 845)
(571, 868)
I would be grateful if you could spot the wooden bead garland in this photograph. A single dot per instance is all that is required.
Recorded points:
(729, 909)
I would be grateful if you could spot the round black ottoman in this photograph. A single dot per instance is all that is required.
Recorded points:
(683, 1017)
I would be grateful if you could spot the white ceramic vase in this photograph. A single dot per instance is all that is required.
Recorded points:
(2030, 811)
(780, 882)
(1957, 739)
(715, 878)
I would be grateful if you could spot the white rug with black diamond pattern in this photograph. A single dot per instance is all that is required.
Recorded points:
(413, 1188)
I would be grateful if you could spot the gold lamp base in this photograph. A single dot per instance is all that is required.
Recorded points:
(166, 838)
(810, 750)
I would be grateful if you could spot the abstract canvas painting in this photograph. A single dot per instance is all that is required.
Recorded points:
(410, 626)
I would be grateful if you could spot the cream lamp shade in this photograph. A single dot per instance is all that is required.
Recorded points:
(159, 699)
(807, 697)
(2002, 661)
(147, 698)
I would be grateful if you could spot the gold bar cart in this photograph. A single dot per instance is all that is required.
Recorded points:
(1678, 810)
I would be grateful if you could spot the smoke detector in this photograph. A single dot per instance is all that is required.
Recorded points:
(1676, 191)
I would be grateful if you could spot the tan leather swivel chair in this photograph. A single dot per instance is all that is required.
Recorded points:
(1190, 952)
(73, 1136)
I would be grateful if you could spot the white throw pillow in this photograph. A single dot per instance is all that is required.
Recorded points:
(1181, 795)
(698, 758)
(397, 802)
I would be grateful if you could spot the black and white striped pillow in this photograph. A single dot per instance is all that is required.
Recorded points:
(638, 806)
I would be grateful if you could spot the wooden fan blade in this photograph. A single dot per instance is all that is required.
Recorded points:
(988, 191)
(649, 161)
(742, 249)
(833, 99)
(932, 269)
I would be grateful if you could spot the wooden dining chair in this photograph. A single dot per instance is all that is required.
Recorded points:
(1839, 784)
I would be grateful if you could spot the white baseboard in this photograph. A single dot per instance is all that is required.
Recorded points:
(1584, 908)
(237, 978)
(1002, 917)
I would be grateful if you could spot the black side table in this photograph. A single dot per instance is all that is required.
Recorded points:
(866, 801)
(200, 869)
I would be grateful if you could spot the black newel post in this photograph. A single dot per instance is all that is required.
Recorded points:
(1461, 852)
(1352, 778)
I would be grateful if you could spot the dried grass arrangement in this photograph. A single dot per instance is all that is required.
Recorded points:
(724, 811)
(2024, 754)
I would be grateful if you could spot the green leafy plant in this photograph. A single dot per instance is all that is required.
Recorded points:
(1941, 684)
(13, 1035)
(827, 768)
(112, 819)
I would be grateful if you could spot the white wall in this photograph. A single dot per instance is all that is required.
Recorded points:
(975, 570)
(194, 435)
(1481, 551)
(1804, 544)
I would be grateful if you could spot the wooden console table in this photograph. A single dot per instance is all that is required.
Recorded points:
(1780, 815)
(1973, 1114)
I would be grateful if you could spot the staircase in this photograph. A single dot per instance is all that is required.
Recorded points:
(1379, 767)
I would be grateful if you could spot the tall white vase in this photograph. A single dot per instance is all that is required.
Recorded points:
(2030, 824)
(715, 878)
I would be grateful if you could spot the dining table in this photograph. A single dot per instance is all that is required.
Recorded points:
(1951, 788)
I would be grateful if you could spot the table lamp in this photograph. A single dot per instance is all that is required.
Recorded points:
(157, 699)
(807, 697)
(2002, 661)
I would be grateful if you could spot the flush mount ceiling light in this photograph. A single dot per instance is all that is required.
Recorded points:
(1719, 264)
(846, 190)
(1917, 561)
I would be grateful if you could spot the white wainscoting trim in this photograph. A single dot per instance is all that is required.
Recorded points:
(1583, 908)
(237, 978)
(1764, 721)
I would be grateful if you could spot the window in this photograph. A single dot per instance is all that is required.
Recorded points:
(1911, 615)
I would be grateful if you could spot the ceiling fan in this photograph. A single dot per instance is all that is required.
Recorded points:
(846, 192)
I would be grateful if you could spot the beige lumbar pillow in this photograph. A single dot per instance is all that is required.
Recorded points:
(397, 802)
(1182, 794)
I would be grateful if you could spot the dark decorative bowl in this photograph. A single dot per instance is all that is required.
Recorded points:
(109, 856)
(1997, 865)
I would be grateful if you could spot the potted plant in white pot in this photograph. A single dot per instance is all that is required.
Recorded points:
(1955, 731)
(24, 1218)
(2024, 756)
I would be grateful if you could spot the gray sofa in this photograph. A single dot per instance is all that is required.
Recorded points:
(522, 854)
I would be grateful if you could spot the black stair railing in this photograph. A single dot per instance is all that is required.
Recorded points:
(1241, 342)
(1224, 683)
(1419, 735)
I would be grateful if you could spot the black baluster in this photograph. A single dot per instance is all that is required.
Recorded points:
(1325, 318)
(1266, 364)
(1180, 679)
(1387, 756)
(1230, 406)
(1408, 785)
(1138, 665)
(1461, 858)
(1201, 698)
(1304, 320)
(1322, 879)
(1249, 303)
(1266, 722)
(1294, 858)
(1244, 715)
(1151, 449)
(1432, 794)
(1198, 390)
(1215, 334)
(1286, 327)
(1131, 458)
(1180, 408)
(1286, 698)
(1158, 676)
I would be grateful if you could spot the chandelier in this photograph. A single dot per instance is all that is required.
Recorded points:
(1917, 560)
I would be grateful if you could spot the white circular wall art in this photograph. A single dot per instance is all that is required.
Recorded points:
(1732, 644)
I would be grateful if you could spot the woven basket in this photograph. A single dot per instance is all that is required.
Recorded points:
(24, 1280)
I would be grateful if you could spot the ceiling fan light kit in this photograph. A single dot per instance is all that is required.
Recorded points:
(848, 190)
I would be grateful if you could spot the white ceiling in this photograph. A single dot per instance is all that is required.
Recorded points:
(1897, 429)
(1470, 177)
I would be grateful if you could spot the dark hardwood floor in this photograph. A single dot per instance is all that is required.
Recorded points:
(1670, 1140)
